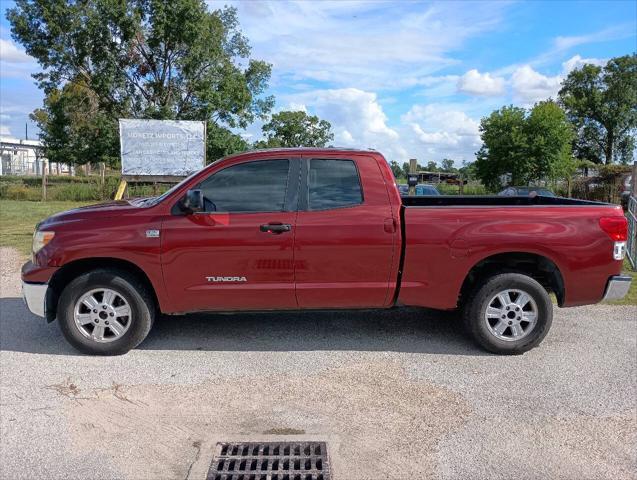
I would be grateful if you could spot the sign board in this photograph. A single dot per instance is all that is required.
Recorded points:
(412, 180)
(161, 148)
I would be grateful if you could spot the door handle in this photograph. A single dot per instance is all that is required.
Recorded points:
(276, 228)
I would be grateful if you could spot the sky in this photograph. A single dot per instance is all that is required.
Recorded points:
(411, 79)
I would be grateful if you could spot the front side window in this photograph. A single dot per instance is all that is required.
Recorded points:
(247, 187)
(333, 184)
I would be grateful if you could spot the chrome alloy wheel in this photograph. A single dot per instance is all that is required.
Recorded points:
(511, 315)
(102, 315)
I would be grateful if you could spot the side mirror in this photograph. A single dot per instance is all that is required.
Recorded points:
(193, 201)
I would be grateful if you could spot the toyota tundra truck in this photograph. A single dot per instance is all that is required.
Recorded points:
(306, 229)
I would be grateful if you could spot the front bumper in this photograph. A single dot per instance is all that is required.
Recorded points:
(34, 295)
(617, 288)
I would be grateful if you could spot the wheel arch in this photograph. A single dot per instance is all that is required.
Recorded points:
(65, 274)
(539, 267)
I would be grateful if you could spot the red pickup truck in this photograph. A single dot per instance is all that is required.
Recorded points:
(300, 229)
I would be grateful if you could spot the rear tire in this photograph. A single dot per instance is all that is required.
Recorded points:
(509, 314)
(105, 312)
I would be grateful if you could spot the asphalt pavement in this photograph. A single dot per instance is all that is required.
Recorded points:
(395, 394)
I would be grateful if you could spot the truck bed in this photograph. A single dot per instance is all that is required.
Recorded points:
(492, 200)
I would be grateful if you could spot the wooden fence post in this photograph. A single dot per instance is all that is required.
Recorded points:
(413, 168)
(43, 180)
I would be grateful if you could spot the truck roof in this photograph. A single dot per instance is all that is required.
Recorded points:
(302, 150)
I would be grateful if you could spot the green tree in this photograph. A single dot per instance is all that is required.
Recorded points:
(405, 169)
(504, 148)
(148, 59)
(549, 142)
(295, 129)
(73, 128)
(396, 170)
(431, 166)
(448, 166)
(601, 102)
(528, 146)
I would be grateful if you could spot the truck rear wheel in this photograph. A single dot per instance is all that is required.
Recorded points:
(509, 314)
(105, 312)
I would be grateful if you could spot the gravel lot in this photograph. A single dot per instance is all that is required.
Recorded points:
(395, 395)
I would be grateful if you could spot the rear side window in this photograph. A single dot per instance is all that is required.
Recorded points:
(333, 184)
(247, 187)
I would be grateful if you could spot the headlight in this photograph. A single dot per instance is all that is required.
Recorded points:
(40, 239)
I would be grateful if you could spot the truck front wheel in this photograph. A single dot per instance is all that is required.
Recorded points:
(509, 314)
(105, 312)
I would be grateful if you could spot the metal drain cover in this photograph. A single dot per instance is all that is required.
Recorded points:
(270, 461)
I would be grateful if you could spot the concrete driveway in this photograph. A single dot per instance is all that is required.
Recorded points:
(396, 395)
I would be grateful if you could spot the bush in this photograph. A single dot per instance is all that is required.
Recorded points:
(80, 189)
(469, 189)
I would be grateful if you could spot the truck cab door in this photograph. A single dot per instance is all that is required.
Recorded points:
(238, 253)
(346, 237)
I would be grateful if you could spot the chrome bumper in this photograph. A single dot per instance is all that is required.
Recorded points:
(34, 295)
(617, 287)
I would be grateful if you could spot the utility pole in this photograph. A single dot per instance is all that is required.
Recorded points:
(413, 171)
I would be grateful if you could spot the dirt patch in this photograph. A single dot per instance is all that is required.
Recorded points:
(392, 425)
(284, 431)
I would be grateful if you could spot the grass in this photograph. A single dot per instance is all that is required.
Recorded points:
(18, 219)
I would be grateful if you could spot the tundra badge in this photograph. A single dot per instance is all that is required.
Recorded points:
(227, 279)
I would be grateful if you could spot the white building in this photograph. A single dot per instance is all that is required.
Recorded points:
(25, 157)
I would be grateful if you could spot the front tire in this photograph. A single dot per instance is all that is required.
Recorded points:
(509, 314)
(105, 312)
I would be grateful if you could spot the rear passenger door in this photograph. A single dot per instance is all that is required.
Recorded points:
(344, 240)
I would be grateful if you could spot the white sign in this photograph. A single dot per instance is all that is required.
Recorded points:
(162, 147)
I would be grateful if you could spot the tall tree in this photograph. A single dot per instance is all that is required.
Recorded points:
(549, 142)
(601, 102)
(503, 148)
(148, 59)
(295, 129)
(448, 165)
(527, 146)
(74, 129)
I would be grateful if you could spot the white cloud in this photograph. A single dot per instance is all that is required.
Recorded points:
(577, 62)
(5, 131)
(476, 83)
(443, 130)
(612, 33)
(357, 119)
(9, 52)
(362, 44)
(530, 86)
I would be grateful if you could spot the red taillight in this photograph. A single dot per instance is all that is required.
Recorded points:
(615, 227)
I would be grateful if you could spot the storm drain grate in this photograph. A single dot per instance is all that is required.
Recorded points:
(270, 461)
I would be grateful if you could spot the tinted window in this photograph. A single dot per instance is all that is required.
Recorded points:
(333, 184)
(247, 187)
(426, 190)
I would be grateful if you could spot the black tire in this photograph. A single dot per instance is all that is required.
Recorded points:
(478, 301)
(129, 287)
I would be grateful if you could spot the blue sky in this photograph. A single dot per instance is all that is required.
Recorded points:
(411, 79)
